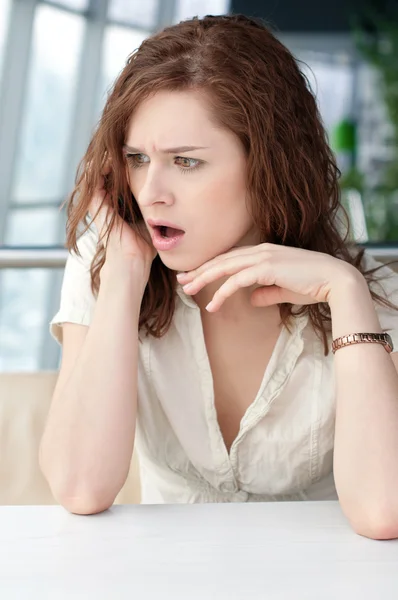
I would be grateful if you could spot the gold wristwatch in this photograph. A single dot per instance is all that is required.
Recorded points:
(359, 338)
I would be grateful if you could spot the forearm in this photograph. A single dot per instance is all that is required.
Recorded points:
(366, 437)
(89, 437)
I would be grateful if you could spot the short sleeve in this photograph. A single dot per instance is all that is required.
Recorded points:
(388, 278)
(77, 300)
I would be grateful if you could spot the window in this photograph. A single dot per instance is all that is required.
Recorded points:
(23, 320)
(73, 4)
(185, 9)
(119, 43)
(134, 12)
(4, 19)
(66, 41)
(33, 227)
(48, 110)
(331, 78)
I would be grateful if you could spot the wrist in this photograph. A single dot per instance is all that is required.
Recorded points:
(348, 283)
(352, 308)
(125, 272)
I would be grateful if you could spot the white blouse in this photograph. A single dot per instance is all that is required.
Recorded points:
(284, 448)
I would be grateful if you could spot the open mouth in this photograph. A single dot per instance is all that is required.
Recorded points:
(168, 232)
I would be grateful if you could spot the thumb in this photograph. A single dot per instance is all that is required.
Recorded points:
(267, 296)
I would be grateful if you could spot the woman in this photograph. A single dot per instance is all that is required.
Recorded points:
(201, 301)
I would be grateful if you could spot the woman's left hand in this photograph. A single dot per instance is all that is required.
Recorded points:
(283, 274)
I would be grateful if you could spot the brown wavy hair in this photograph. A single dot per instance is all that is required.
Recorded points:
(257, 91)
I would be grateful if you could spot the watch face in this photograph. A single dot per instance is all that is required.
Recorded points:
(389, 340)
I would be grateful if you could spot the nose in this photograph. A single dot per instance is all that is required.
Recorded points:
(154, 191)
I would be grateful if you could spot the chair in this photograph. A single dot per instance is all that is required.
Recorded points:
(24, 402)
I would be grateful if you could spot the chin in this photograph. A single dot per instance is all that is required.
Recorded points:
(179, 263)
(178, 260)
(182, 262)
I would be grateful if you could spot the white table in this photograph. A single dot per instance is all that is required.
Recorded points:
(289, 551)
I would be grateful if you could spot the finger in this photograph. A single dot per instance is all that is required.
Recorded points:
(241, 251)
(245, 278)
(228, 266)
(218, 259)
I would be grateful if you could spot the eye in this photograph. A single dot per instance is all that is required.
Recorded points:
(135, 160)
(188, 162)
(186, 165)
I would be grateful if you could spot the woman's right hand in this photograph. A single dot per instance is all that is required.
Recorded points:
(123, 245)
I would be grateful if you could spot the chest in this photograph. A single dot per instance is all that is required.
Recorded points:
(238, 358)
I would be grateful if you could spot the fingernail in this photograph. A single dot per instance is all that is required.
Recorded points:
(181, 276)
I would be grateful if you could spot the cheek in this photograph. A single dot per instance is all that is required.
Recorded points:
(225, 202)
(230, 188)
(134, 184)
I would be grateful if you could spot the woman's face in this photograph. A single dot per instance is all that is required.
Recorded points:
(202, 191)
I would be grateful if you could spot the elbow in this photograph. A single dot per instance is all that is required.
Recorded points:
(75, 498)
(375, 525)
(372, 512)
(377, 532)
(84, 504)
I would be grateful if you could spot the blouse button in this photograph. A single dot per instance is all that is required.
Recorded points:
(228, 487)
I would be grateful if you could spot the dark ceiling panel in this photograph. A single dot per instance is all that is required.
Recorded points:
(308, 15)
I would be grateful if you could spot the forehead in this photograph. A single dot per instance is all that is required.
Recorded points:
(167, 117)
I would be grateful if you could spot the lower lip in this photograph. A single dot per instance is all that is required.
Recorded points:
(162, 243)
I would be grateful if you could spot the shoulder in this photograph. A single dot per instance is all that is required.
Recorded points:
(76, 298)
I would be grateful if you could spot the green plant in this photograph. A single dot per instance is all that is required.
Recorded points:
(376, 38)
(353, 179)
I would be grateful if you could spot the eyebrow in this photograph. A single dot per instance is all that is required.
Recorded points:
(179, 149)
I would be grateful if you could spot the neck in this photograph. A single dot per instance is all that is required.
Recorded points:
(237, 307)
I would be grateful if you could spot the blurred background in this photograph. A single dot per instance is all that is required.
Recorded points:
(57, 61)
